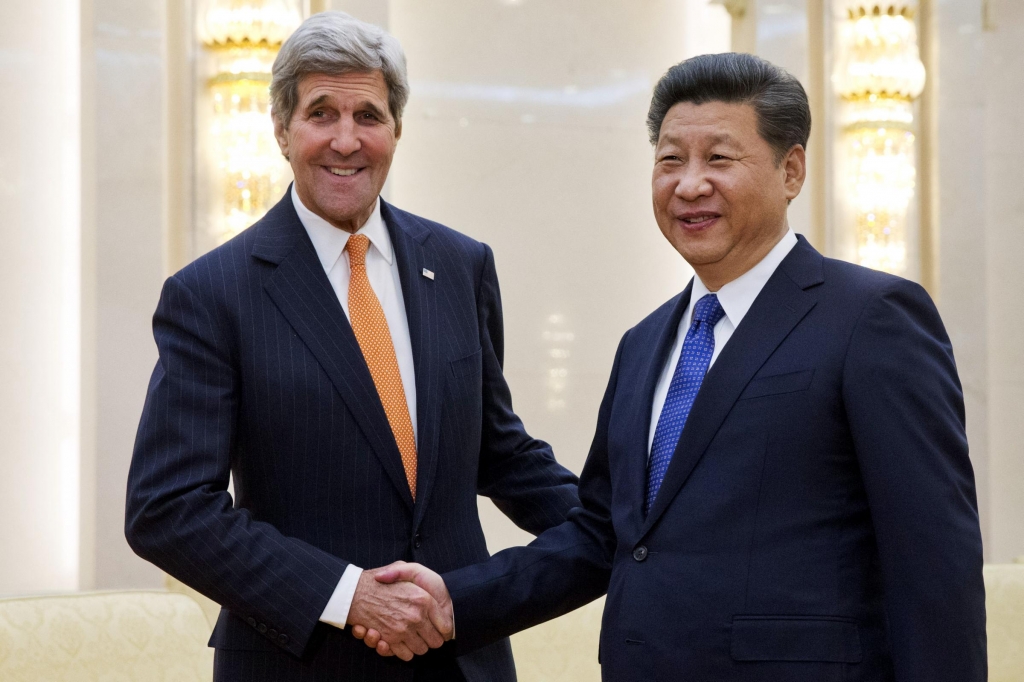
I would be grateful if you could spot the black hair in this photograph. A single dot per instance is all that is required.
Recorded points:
(783, 112)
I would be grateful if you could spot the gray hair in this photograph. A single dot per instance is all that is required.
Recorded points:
(783, 113)
(335, 43)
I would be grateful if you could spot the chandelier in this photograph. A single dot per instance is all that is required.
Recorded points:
(245, 170)
(878, 75)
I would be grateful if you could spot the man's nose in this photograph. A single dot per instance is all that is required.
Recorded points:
(693, 183)
(345, 139)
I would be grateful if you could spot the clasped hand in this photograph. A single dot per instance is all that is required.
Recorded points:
(401, 610)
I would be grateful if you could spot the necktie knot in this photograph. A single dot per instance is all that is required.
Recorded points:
(358, 245)
(708, 310)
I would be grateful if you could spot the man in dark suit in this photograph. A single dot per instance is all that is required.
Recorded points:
(341, 359)
(779, 487)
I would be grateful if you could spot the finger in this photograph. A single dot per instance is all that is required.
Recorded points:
(358, 631)
(372, 638)
(414, 640)
(402, 651)
(384, 649)
(442, 621)
(429, 633)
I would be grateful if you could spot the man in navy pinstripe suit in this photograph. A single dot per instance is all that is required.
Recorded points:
(341, 359)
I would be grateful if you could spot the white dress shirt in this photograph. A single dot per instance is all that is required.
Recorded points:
(736, 297)
(382, 271)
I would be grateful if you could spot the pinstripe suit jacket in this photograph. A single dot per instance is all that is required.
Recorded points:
(260, 376)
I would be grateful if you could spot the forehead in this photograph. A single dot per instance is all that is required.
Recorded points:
(709, 122)
(356, 85)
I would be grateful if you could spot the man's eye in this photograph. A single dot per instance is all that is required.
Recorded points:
(719, 157)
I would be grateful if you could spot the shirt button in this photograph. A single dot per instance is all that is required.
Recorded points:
(640, 553)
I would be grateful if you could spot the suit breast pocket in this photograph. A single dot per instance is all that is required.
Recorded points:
(778, 384)
(468, 366)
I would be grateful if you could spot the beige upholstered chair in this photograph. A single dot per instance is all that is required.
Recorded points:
(111, 636)
(211, 609)
(1004, 602)
(561, 650)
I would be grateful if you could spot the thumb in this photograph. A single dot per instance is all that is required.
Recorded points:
(396, 572)
(442, 620)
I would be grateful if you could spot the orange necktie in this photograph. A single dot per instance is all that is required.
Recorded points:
(374, 337)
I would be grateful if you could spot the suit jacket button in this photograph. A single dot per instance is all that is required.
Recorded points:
(262, 628)
(272, 633)
(251, 621)
(417, 540)
(640, 553)
(283, 638)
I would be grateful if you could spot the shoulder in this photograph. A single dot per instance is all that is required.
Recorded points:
(220, 266)
(859, 289)
(649, 328)
(443, 238)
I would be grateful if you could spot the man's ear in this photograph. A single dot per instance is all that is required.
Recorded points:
(398, 130)
(281, 134)
(795, 166)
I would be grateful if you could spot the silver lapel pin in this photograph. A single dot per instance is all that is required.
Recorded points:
(429, 274)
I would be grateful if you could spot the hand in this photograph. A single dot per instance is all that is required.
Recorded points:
(423, 578)
(400, 612)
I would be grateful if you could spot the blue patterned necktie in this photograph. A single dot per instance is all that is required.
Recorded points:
(698, 347)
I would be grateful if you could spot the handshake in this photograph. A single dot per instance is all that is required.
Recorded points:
(401, 610)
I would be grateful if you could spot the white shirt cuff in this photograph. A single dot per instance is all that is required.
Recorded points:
(336, 611)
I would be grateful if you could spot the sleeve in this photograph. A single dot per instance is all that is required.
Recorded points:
(906, 414)
(179, 515)
(518, 472)
(340, 603)
(564, 568)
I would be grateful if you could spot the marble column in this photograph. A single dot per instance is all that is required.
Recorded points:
(40, 333)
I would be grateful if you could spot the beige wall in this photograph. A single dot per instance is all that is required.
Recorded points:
(125, 179)
(526, 129)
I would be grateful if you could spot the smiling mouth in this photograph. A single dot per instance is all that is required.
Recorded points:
(344, 172)
(698, 221)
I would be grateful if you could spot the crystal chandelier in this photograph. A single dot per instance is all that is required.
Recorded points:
(242, 38)
(878, 74)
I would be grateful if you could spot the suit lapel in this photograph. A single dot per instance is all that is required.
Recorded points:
(776, 311)
(412, 249)
(301, 291)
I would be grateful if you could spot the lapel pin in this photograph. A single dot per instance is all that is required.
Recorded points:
(429, 274)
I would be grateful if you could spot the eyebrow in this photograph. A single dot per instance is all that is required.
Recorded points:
(722, 138)
(373, 109)
(317, 102)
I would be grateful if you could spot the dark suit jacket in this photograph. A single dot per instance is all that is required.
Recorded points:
(260, 376)
(818, 520)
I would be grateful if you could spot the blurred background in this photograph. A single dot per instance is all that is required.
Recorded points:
(139, 138)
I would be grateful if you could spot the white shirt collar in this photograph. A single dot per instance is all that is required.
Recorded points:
(329, 241)
(737, 296)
